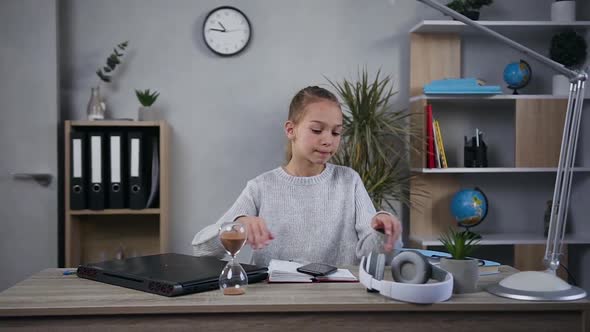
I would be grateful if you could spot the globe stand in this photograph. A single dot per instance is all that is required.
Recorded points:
(233, 279)
(515, 91)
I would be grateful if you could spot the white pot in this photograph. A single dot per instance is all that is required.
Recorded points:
(563, 11)
(148, 114)
(561, 85)
(465, 274)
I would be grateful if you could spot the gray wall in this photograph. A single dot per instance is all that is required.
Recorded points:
(227, 113)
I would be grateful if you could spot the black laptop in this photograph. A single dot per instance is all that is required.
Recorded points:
(165, 274)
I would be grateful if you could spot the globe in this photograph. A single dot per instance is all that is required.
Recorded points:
(517, 75)
(469, 207)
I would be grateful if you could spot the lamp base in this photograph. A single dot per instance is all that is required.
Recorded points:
(536, 286)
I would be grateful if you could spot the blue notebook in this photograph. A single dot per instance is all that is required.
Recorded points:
(460, 86)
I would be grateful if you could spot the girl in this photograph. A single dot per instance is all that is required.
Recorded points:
(308, 210)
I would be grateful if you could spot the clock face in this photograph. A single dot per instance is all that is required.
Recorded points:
(226, 30)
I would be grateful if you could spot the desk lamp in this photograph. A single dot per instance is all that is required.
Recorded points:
(544, 285)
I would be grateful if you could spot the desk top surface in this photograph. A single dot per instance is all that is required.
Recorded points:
(50, 293)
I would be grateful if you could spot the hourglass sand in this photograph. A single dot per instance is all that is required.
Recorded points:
(233, 279)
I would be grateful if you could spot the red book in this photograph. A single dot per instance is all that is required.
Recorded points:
(430, 162)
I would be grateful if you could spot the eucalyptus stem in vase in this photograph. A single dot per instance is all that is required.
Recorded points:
(96, 108)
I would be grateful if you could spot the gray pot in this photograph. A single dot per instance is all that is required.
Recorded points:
(465, 274)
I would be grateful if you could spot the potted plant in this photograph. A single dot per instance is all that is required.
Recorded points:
(375, 138)
(147, 98)
(460, 244)
(469, 8)
(569, 49)
(563, 11)
(96, 108)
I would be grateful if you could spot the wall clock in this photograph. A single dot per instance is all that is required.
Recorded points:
(226, 31)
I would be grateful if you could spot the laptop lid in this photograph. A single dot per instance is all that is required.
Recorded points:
(168, 274)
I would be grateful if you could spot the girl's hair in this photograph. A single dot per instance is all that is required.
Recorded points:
(304, 97)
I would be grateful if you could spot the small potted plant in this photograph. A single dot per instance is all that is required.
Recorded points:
(469, 8)
(569, 49)
(563, 11)
(96, 108)
(465, 270)
(147, 98)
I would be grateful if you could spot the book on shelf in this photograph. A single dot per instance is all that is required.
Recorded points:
(430, 157)
(281, 271)
(485, 266)
(440, 144)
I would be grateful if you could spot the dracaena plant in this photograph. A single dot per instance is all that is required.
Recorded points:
(147, 98)
(113, 60)
(375, 138)
(459, 244)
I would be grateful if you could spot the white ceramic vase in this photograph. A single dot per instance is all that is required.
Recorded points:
(148, 113)
(563, 11)
(465, 274)
(561, 85)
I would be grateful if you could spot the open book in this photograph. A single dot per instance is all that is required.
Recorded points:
(286, 271)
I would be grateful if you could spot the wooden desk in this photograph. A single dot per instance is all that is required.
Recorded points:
(51, 301)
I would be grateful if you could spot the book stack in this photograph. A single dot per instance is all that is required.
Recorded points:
(485, 266)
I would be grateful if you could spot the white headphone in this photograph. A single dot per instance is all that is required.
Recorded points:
(410, 270)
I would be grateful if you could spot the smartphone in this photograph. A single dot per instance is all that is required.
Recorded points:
(317, 269)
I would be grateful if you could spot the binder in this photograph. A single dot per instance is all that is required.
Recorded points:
(77, 171)
(96, 193)
(154, 192)
(137, 182)
(116, 171)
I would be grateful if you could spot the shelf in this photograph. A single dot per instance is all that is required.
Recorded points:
(109, 212)
(476, 97)
(508, 239)
(461, 170)
(451, 26)
(115, 123)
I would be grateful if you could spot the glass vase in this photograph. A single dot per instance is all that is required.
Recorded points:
(96, 107)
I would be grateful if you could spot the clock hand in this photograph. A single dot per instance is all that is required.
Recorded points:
(211, 29)
(221, 26)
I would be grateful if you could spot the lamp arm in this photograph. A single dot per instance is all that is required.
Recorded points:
(571, 74)
(567, 153)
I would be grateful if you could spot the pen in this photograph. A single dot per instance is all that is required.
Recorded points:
(69, 272)
(476, 136)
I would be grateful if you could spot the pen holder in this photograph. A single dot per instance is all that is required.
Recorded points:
(474, 154)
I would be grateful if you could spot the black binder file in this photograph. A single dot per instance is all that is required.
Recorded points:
(96, 193)
(77, 171)
(137, 182)
(116, 182)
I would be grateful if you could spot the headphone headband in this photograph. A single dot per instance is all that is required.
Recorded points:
(413, 293)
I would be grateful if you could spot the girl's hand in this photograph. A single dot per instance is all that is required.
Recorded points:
(390, 225)
(258, 234)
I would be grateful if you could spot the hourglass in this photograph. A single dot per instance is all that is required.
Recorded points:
(233, 278)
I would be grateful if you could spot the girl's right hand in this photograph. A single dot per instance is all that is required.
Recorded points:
(258, 234)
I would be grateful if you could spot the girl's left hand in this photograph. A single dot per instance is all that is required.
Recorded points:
(390, 225)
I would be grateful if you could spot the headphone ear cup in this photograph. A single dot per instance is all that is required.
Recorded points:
(380, 267)
(371, 264)
(410, 267)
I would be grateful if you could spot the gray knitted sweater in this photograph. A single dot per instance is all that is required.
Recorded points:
(324, 218)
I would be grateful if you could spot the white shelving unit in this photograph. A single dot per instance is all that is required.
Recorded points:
(524, 135)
